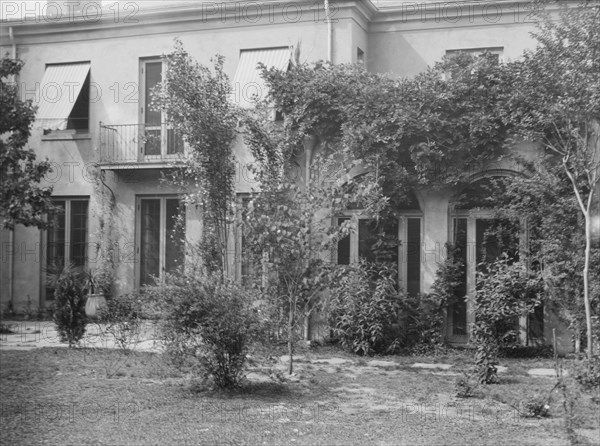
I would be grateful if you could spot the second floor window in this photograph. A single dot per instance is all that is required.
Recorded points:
(158, 139)
(64, 98)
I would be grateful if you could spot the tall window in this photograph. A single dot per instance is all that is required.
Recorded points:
(161, 241)
(66, 239)
(158, 139)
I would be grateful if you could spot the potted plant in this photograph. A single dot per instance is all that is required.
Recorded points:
(98, 286)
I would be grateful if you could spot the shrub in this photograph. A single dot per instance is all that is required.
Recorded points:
(69, 302)
(122, 317)
(507, 291)
(363, 308)
(587, 374)
(424, 323)
(207, 325)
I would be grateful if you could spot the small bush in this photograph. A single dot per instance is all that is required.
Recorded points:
(122, 317)
(587, 374)
(363, 308)
(69, 303)
(536, 407)
(207, 325)
(465, 386)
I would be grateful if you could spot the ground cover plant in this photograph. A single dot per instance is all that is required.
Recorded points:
(57, 396)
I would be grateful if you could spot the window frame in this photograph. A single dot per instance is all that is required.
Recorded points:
(163, 236)
(402, 239)
(67, 241)
(74, 133)
(163, 127)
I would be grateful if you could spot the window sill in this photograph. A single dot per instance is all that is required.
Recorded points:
(66, 136)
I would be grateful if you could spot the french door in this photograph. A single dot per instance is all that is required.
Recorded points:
(158, 141)
(161, 241)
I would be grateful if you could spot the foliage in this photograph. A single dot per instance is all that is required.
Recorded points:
(287, 225)
(424, 317)
(587, 374)
(555, 100)
(465, 385)
(69, 294)
(543, 200)
(195, 100)
(536, 407)
(506, 291)
(208, 324)
(363, 307)
(123, 319)
(413, 131)
(22, 199)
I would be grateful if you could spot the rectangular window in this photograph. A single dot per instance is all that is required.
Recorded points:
(459, 304)
(65, 98)
(373, 242)
(158, 139)
(162, 237)
(66, 239)
(248, 85)
(413, 256)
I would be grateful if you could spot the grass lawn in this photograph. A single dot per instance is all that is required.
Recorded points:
(82, 396)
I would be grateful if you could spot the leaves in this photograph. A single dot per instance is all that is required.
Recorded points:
(22, 199)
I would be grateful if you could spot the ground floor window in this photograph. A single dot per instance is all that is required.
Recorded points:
(398, 242)
(161, 240)
(67, 236)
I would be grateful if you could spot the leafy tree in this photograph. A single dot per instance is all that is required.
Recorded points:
(555, 99)
(287, 228)
(195, 100)
(542, 198)
(22, 199)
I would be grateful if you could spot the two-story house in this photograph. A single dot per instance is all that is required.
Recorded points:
(91, 68)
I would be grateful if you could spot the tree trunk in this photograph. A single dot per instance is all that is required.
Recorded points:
(577, 336)
(290, 340)
(586, 285)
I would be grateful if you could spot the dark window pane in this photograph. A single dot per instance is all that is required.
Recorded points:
(459, 305)
(153, 78)
(413, 256)
(378, 241)
(174, 251)
(174, 142)
(79, 117)
(55, 249)
(535, 324)
(246, 265)
(343, 247)
(152, 142)
(79, 215)
(367, 237)
(150, 241)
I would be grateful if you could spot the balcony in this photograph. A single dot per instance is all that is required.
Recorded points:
(139, 146)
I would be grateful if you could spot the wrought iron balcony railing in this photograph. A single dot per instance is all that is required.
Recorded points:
(137, 144)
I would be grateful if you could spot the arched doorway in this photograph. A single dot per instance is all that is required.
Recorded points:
(478, 237)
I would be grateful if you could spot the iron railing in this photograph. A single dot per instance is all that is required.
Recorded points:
(139, 143)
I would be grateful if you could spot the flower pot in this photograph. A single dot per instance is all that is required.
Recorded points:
(94, 304)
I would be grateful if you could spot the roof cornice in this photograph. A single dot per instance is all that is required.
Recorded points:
(227, 14)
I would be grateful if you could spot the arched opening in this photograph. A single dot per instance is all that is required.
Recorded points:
(478, 237)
